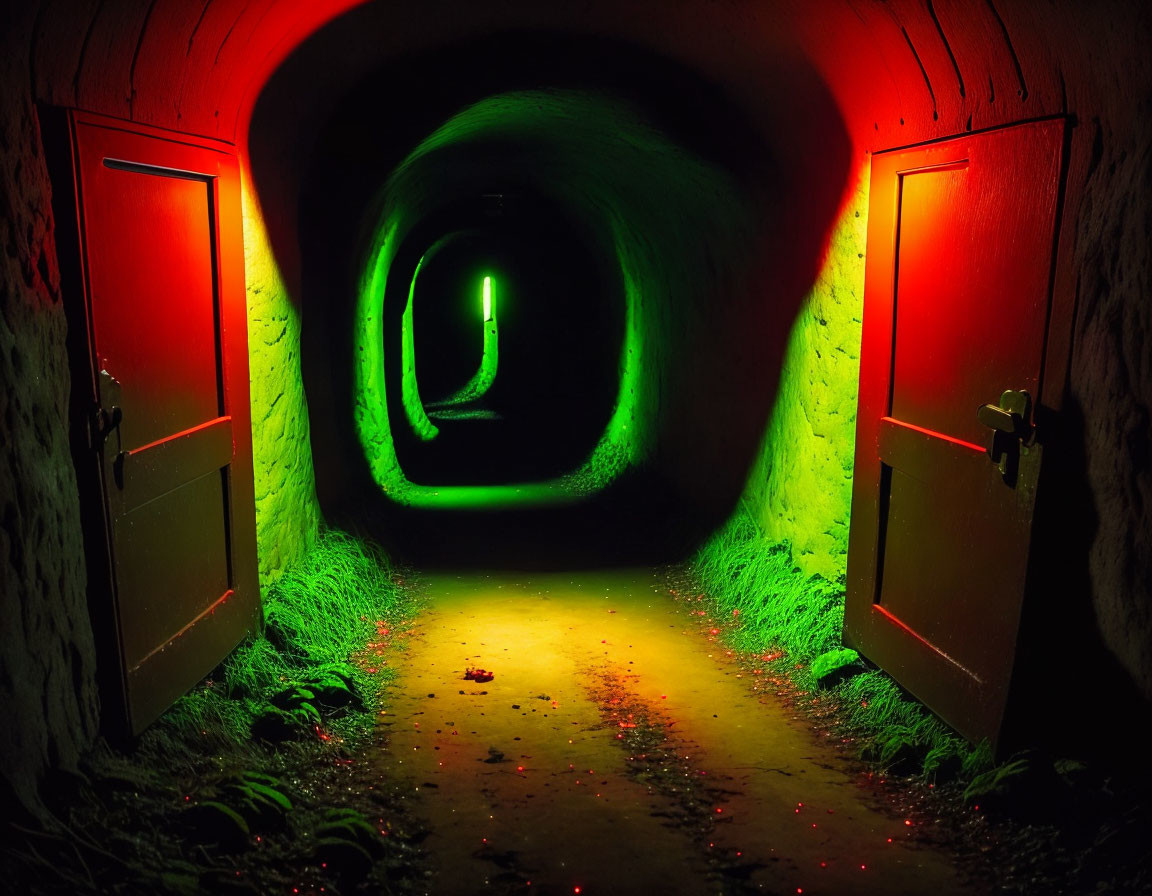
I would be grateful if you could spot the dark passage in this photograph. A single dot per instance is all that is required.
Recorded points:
(630, 215)
(557, 312)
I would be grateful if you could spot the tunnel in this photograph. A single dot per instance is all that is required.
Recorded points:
(412, 409)
(603, 293)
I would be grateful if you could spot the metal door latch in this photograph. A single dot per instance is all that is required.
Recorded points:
(106, 420)
(1012, 430)
(103, 422)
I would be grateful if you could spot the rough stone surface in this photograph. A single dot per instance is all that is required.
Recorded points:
(1111, 382)
(47, 659)
(287, 514)
(800, 490)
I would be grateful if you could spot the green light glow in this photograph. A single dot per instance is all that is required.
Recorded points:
(424, 428)
(616, 176)
(485, 376)
(371, 410)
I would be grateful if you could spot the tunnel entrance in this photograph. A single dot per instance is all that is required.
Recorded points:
(639, 232)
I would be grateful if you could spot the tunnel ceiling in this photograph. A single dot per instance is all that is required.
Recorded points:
(898, 72)
(933, 65)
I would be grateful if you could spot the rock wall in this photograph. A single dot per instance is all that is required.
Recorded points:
(800, 491)
(47, 658)
(287, 515)
(1111, 382)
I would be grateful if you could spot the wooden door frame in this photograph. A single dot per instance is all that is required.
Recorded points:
(920, 660)
(59, 128)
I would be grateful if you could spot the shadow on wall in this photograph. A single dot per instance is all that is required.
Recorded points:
(1069, 690)
(707, 220)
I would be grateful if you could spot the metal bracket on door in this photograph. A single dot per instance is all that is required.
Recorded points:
(106, 420)
(1012, 430)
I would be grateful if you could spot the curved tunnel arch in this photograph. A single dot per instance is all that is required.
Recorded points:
(560, 305)
(599, 161)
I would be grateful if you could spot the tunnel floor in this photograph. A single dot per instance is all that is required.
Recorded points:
(608, 741)
(618, 749)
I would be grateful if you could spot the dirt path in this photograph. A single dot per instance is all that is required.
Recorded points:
(612, 753)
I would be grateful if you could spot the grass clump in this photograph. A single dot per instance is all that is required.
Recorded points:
(299, 671)
(777, 605)
(779, 609)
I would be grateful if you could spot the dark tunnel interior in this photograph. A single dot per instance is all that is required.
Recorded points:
(634, 216)
(553, 357)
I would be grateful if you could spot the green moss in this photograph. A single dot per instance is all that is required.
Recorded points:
(778, 605)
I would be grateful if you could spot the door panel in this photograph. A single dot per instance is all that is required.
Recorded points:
(154, 316)
(160, 240)
(172, 554)
(960, 246)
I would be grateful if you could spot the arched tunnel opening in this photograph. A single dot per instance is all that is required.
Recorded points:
(575, 448)
(625, 214)
(502, 345)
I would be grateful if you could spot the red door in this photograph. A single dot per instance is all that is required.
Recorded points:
(162, 256)
(961, 237)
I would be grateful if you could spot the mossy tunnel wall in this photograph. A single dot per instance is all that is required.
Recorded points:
(652, 335)
(704, 165)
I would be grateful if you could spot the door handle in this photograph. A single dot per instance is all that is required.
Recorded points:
(995, 417)
(106, 420)
(1012, 429)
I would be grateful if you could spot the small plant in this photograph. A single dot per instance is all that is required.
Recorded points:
(347, 843)
(997, 781)
(258, 798)
(834, 666)
(236, 807)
